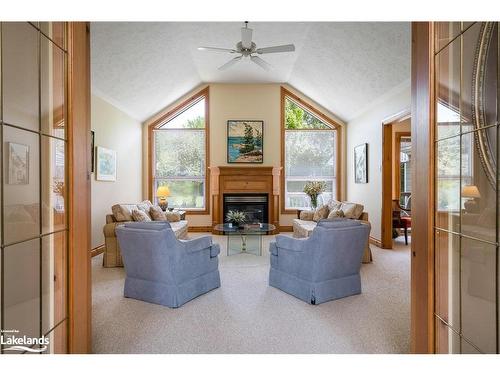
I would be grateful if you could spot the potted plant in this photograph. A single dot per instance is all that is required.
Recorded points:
(237, 218)
(313, 189)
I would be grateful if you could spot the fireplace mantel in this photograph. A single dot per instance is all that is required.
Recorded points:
(229, 179)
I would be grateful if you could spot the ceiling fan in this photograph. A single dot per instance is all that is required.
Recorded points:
(247, 48)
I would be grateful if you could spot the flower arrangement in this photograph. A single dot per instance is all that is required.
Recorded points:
(313, 189)
(236, 217)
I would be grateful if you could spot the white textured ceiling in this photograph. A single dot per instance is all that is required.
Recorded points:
(344, 66)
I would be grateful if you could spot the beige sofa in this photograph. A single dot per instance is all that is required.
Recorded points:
(304, 224)
(122, 213)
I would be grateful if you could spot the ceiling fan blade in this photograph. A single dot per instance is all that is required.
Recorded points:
(276, 49)
(230, 63)
(262, 63)
(246, 37)
(216, 49)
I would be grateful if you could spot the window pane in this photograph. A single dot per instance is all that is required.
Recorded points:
(52, 88)
(180, 153)
(296, 198)
(191, 118)
(21, 185)
(20, 74)
(448, 91)
(296, 117)
(22, 288)
(185, 193)
(53, 185)
(310, 154)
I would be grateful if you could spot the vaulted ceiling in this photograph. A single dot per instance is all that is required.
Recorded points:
(343, 66)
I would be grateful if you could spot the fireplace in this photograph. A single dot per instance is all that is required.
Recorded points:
(255, 206)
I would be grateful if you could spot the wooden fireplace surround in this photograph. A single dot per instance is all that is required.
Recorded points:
(262, 180)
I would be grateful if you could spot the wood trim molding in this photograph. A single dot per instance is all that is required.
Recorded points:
(375, 241)
(286, 228)
(97, 250)
(339, 169)
(79, 293)
(397, 151)
(422, 335)
(199, 229)
(161, 118)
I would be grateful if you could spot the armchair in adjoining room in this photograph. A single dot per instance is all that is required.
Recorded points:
(164, 270)
(322, 267)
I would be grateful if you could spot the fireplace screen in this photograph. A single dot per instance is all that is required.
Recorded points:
(255, 206)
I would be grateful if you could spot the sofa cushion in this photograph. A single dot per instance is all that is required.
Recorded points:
(352, 210)
(173, 216)
(334, 205)
(157, 214)
(321, 213)
(335, 213)
(140, 215)
(123, 212)
(338, 223)
(145, 206)
(148, 225)
(303, 228)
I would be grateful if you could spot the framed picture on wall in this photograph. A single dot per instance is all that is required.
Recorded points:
(18, 164)
(361, 164)
(106, 164)
(92, 147)
(245, 141)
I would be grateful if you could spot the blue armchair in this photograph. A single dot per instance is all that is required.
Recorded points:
(322, 267)
(164, 270)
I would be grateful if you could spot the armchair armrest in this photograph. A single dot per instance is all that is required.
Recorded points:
(289, 243)
(214, 250)
(197, 244)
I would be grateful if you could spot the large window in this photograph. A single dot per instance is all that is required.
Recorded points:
(310, 152)
(180, 154)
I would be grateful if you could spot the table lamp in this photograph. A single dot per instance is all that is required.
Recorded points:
(471, 192)
(162, 193)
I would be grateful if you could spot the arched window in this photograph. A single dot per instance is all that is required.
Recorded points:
(310, 145)
(179, 154)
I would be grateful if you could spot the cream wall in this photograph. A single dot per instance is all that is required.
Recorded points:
(117, 131)
(367, 128)
(238, 102)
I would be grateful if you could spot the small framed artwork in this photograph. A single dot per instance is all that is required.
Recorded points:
(245, 141)
(361, 164)
(106, 164)
(18, 164)
(92, 147)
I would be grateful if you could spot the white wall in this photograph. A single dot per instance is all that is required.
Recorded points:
(117, 131)
(240, 102)
(367, 128)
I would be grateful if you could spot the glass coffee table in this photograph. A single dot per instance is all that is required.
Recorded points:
(244, 239)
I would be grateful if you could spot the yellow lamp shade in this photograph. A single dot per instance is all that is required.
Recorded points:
(470, 191)
(163, 191)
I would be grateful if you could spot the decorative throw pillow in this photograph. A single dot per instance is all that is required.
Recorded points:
(334, 205)
(306, 215)
(352, 210)
(157, 214)
(335, 213)
(140, 215)
(321, 213)
(145, 206)
(121, 212)
(173, 217)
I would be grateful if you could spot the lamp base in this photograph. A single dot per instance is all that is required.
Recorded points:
(471, 206)
(163, 205)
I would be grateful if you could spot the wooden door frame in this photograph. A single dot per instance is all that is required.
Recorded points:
(422, 331)
(387, 166)
(79, 167)
(396, 161)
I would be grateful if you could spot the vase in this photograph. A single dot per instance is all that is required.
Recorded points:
(314, 202)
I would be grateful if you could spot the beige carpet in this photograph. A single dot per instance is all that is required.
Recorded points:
(245, 315)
